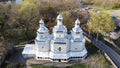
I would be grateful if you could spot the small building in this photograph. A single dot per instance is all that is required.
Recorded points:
(29, 51)
(58, 46)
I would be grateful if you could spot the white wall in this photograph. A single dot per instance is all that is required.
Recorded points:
(64, 47)
(76, 46)
(43, 46)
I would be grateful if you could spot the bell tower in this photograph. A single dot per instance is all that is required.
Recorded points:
(59, 43)
(59, 31)
(77, 41)
(42, 40)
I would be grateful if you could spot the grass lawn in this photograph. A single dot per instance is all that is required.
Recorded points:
(40, 66)
(80, 66)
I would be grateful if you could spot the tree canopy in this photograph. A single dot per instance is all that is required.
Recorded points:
(100, 22)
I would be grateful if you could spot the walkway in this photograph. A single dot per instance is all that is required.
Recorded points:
(115, 12)
(17, 57)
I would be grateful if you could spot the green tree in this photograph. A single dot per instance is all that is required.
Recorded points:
(4, 16)
(28, 12)
(100, 23)
(68, 20)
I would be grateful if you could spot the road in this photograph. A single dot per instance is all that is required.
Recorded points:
(116, 20)
(105, 48)
(17, 57)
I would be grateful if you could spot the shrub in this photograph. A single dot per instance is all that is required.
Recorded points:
(12, 65)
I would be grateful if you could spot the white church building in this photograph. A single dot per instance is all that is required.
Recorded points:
(58, 46)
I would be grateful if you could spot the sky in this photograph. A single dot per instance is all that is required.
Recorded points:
(18, 1)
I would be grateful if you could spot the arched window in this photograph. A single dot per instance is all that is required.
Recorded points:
(41, 36)
(75, 48)
(59, 48)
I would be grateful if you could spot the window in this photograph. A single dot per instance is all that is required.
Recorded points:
(38, 57)
(59, 31)
(41, 41)
(77, 32)
(59, 43)
(59, 48)
(42, 47)
(59, 36)
(75, 48)
(77, 41)
(60, 20)
(41, 36)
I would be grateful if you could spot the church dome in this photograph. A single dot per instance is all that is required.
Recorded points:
(42, 28)
(42, 32)
(41, 21)
(77, 26)
(77, 22)
(59, 26)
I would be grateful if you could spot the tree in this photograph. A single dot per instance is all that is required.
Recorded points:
(4, 16)
(27, 12)
(68, 20)
(100, 23)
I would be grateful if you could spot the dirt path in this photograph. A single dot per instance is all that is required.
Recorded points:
(115, 12)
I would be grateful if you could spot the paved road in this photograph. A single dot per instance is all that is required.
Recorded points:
(17, 57)
(116, 20)
(110, 52)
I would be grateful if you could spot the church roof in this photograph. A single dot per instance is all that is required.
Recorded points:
(77, 29)
(42, 27)
(41, 21)
(78, 40)
(60, 28)
(29, 49)
(77, 22)
(42, 30)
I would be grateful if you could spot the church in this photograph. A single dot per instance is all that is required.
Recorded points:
(58, 46)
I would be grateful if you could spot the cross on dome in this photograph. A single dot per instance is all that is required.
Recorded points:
(59, 20)
(41, 22)
(77, 23)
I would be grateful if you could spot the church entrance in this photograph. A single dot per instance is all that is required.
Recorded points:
(59, 60)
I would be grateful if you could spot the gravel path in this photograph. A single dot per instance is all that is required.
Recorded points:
(115, 12)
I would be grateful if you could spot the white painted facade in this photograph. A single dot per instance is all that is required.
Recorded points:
(58, 46)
